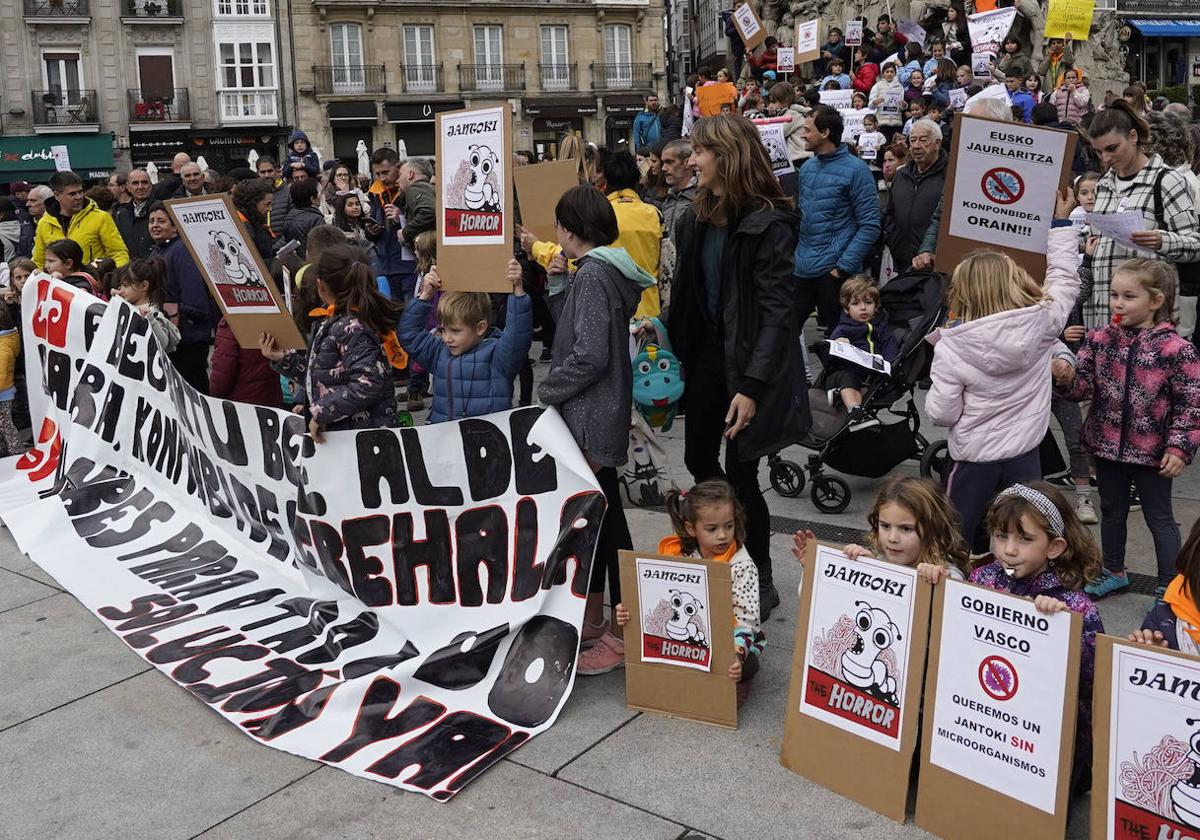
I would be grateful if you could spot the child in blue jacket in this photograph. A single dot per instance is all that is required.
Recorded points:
(864, 326)
(472, 365)
(300, 151)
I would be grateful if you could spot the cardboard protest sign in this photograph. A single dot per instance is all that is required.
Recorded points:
(854, 33)
(808, 40)
(856, 678)
(402, 604)
(711, 97)
(837, 99)
(236, 275)
(1000, 189)
(1069, 18)
(1000, 710)
(981, 66)
(748, 25)
(958, 98)
(776, 145)
(679, 641)
(1146, 762)
(987, 29)
(538, 188)
(785, 59)
(474, 199)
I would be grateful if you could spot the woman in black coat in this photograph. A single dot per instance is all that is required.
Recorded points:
(732, 322)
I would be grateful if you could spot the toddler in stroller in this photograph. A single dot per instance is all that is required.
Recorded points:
(865, 326)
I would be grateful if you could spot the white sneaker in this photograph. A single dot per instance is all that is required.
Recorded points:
(1085, 511)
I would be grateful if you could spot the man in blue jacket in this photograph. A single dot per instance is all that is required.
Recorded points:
(839, 218)
(647, 130)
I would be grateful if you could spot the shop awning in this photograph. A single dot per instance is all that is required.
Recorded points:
(1166, 28)
(28, 157)
(352, 112)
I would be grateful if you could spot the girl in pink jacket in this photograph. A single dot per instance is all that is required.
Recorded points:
(991, 367)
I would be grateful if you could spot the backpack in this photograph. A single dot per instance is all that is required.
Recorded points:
(657, 379)
(1189, 272)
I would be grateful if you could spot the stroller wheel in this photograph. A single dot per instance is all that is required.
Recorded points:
(830, 494)
(787, 478)
(936, 463)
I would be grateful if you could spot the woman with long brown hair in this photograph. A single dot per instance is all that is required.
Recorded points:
(733, 324)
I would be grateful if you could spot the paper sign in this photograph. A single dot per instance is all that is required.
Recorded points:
(1000, 711)
(987, 29)
(61, 157)
(1000, 189)
(1069, 18)
(777, 150)
(849, 353)
(892, 102)
(911, 30)
(1146, 771)
(981, 66)
(868, 145)
(749, 26)
(712, 97)
(852, 123)
(675, 613)
(538, 188)
(854, 33)
(785, 59)
(1120, 227)
(837, 99)
(958, 98)
(237, 277)
(808, 40)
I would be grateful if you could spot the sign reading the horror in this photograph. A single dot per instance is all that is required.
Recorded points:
(399, 603)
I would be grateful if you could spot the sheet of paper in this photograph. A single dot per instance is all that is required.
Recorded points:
(1119, 227)
(849, 353)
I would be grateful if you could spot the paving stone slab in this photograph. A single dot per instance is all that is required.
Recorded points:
(508, 801)
(140, 759)
(55, 651)
(15, 560)
(17, 590)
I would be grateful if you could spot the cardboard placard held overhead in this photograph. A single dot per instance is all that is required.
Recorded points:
(808, 40)
(749, 26)
(711, 97)
(1146, 753)
(539, 187)
(854, 32)
(474, 199)
(1000, 190)
(237, 277)
(679, 640)
(856, 678)
(1070, 19)
(1000, 712)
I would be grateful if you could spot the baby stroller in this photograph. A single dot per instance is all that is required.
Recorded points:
(915, 305)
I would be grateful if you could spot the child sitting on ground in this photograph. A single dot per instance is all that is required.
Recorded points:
(472, 365)
(710, 524)
(864, 326)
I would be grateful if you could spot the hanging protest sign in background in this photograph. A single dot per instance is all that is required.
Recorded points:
(236, 275)
(785, 59)
(474, 199)
(1000, 189)
(538, 188)
(748, 25)
(1000, 709)
(776, 145)
(1146, 766)
(856, 678)
(808, 40)
(987, 29)
(399, 603)
(679, 640)
(1069, 18)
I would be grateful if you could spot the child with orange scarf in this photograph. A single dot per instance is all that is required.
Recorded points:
(1174, 621)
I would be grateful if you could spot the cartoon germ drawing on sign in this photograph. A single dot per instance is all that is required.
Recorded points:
(229, 264)
(474, 186)
(857, 657)
(1166, 780)
(676, 627)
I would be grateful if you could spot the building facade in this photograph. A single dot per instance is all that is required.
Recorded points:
(380, 73)
(122, 83)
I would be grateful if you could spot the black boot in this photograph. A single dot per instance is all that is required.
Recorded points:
(768, 599)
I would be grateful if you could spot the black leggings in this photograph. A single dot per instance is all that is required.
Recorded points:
(614, 537)
(191, 360)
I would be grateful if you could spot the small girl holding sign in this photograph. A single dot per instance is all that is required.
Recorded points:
(710, 524)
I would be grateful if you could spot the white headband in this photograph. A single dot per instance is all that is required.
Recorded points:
(1040, 501)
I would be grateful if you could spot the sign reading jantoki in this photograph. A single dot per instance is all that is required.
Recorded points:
(221, 252)
(1154, 745)
(676, 623)
(855, 668)
(474, 172)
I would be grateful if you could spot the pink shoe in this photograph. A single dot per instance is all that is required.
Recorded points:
(592, 633)
(607, 654)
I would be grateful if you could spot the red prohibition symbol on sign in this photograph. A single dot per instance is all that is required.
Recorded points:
(1002, 186)
(998, 678)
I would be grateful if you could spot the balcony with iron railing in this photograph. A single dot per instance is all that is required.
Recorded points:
(350, 79)
(558, 77)
(622, 77)
(249, 106)
(152, 11)
(422, 78)
(491, 78)
(58, 9)
(64, 108)
(159, 108)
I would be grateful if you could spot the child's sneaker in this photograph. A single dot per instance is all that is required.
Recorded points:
(1107, 585)
(1085, 511)
(592, 633)
(607, 654)
(859, 419)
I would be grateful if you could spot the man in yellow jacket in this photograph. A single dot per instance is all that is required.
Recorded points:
(71, 216)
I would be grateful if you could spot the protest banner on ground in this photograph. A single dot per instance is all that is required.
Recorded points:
(776, 145)
(808, 40)
(679, 640)
(235, 273)
(987, 29)
(1069, 18)
(749, 26)
(856, 678)
(1000, 709)
(474, 199)
(854, 32)
(785, 60)
(400, 603)
(710, 98)
(1146, 725)
(538, 188)
(1000, 189)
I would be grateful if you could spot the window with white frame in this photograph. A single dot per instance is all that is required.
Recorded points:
(246, 79)
(489, 56)
(63, 100)
(420, 70)
(243, 8)
(556, 71)
(345, 48)
(618, 55)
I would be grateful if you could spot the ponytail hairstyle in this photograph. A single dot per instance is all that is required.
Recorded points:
(1121, 117)
(346, 273)
(1188, 563)
(937, 522)
(1158, 277)
(1080, 561)
(149, 270)
(684, 509)
(68, 250)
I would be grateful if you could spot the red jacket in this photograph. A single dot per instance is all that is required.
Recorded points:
(242, 375)
(865, 76)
